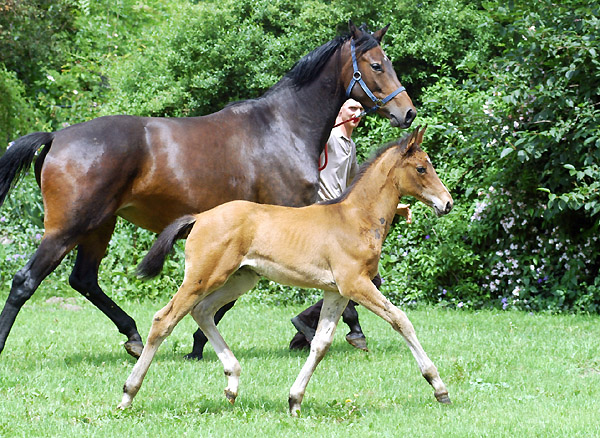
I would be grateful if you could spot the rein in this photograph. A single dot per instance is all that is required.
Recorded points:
(357, 78)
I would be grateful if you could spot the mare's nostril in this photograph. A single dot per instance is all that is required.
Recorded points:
(448, 207)
(410, 116)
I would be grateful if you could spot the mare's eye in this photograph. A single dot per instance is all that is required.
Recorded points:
(376, 67)
(421, 169)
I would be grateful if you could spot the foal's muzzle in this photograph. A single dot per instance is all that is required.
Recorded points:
(441, 211)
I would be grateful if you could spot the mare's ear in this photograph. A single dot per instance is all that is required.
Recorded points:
(421, 134)
(355, 32)
(380, 33)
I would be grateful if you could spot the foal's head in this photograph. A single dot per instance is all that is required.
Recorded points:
(415, 176)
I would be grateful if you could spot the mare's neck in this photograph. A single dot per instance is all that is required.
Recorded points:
(311, 109)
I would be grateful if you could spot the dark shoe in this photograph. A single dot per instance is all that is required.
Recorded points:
(303, 328)
(357, 340)
(299, 342)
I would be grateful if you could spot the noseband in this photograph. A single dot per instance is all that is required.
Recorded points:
(357, 77)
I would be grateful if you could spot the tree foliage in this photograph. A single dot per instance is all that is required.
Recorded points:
(509, 91)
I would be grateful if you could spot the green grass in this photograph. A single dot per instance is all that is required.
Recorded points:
(509, 375)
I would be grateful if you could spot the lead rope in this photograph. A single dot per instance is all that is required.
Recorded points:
(326, 145)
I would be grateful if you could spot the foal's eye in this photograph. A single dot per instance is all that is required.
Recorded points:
(421, 169)
(376, 67)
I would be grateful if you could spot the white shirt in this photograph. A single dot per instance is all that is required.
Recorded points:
(341, 166)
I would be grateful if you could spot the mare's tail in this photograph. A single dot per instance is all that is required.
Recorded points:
(18, 157)
(155, 259)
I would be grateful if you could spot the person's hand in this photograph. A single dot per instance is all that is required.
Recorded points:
(405, 211)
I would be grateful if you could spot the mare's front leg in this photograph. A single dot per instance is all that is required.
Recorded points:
(333, 306)
(163, 324)
(204, 312)
(366, 294)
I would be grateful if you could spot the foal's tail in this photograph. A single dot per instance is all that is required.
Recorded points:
(18, 158)
(155, 259)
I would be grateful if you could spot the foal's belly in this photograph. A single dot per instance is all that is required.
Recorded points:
(291, 274)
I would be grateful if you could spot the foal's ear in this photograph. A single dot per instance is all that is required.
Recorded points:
(421, 134)
(412, 141)
(355, 32)
(380, 33)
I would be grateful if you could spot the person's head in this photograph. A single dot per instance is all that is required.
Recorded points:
(350, 108)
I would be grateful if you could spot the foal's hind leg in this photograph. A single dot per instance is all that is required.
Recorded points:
(333, 306)
(239, 283)
(365, 293)
(163, 323)
(200, 338)
(25, 282)
(84, 279)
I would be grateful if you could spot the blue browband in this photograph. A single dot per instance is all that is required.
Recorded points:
(357, 77)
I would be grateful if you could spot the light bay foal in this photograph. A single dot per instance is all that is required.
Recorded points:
(334, 246)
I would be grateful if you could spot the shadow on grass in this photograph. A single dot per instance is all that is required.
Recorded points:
(251, 352)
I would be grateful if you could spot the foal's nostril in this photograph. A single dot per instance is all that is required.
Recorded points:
(448, 207)
(410, 116)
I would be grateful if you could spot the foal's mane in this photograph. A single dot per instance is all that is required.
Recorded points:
(399, 144)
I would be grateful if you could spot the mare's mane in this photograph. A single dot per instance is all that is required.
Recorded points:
(308, 68)
(400, 144)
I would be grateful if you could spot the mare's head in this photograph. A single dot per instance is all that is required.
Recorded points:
(383, 91)
(415, 176)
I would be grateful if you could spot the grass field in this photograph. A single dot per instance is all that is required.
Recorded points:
(509, 375)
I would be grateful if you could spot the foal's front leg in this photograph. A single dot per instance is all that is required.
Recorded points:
(333, 306)
(163, 324)
(365, 293)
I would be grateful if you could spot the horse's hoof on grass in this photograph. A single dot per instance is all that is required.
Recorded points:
(357, 340)
(443, 398)
(134, 348)
(230, 396)
(193, 356)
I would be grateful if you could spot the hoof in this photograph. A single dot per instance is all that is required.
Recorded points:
(125, 402)
(230, 396)
(294, 407)
(193, 356)
(134, 348)
(443, 398)
(357, 340)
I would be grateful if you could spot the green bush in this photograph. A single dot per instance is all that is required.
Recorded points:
(509, 92)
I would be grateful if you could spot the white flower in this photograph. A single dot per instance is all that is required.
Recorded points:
(50, 77)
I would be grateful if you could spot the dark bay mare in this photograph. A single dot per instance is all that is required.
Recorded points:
(152, 170)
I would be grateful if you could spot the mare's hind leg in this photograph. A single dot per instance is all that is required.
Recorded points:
(84, 279)
(239, 283)
(333, 306)
(46, 258)
(365, 293)
(200, 338)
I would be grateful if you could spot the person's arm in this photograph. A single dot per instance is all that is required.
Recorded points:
(404, 211)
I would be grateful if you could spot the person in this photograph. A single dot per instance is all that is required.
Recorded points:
(340, 169)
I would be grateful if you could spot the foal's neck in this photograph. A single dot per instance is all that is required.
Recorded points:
(375, 194)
